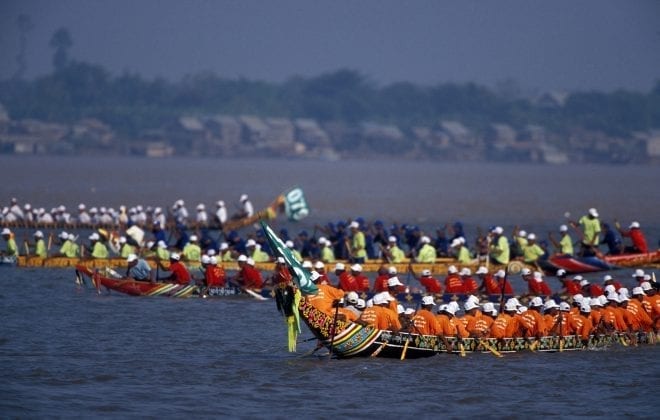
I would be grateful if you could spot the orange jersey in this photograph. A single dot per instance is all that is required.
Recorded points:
(425, 323)
(582, 326)
(477, 325)
(348, 314)
(381, 318)
(324, 298)
(504, 326)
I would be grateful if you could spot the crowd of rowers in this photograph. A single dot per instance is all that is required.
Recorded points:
(357, 241)
(596, 310)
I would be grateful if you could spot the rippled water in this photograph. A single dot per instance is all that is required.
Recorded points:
(66, 351)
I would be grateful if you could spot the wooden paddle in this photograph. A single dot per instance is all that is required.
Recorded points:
(405, 348)
(334, 327)
(490, 348)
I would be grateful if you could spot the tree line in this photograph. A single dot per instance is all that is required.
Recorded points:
(130, 103)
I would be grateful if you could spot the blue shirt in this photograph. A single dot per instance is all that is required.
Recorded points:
(140, 271)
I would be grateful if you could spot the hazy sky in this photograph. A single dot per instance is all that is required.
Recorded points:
(558, 44)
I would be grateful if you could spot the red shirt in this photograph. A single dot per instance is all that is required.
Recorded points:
(638, 240)
(431, 284)
(490, 285)
(539, 288)
(508, 290)
(250, 277)
(453, 284)
(572, 288)
(380, 284)
(595, 290)
(362, 282)
(180, 274)
(347, 282)
(215, 276)
(470, 286)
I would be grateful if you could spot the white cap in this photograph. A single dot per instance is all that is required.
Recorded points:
(469, 305)
(122, 239)
(428, 300)
(224, 246)
(585, 307)
(81, 206)
(595, 302)
(250, 261)
(391, 239)
(220, 203)
(354, 225)
(531, 237)
(593, 212)
(175, 256)
(563, 228)
(206, 259)
(393, 282)
(356, 267)
(379, 299)
(456, 242)
(307, 264)
(452, 269)
(584, 282)
(391, 270)
(243, 197)
(193, 238)
(400, 309)
(38, 234)
(94, 237)
(578, 298)
(634, 225)
(465, 271)
(426, 272)
(242, 258)
(609, 289)
(319, 265)
(426, 240)
(150, 244)
(603, 300)
(250, 242)
(482, 270)
(500, 273)
(638, 291)
(131, 258)
(213, 260)
(488, 307)
(561, 272)
(200, 206)
(210, 252)
(352, 297)
(161, 244)
(6, 231)
(538, 276)
(510, 306)
(522, 233)
(521, 310)
(280, 260)
(536, 302)
(525, 271)
(289, 244)
(361, 304)
(64, 235)
(452, 308)
(607, 278)
(340, 266)
(550, 304)
(498, 230)
(623, 292)
(314, 276)
(564, 306)
(409, 311)
(578, 278)
(638, 273)
(613, 297)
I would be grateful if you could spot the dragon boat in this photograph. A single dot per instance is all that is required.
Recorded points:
(575, 265)
(112, 280)
(345, 339)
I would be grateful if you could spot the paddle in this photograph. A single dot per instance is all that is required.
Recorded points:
(334, 327)
(246, 290)
(490, 348)
(405, 348)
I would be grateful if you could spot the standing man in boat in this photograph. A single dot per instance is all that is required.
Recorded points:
(427, 253)
(358, 244)
(499, 246)
(634, 232)
(99, 249)
(220, 213)
(138, 269)
(590, 232)
(40, 245)
(12, 249)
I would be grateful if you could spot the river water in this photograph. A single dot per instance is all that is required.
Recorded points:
(66, 351)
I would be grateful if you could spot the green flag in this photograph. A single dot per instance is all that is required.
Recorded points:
(300, 275)
(295, 205)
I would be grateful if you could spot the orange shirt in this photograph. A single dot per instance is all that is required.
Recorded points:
(425, 323)
(582, 326)
(596, 315)
(324, 298)
(533, 323)
(613, 318)
(504, 326)
(477, 324)
(452, 327)
(350, 315)
(645, 321)
(381, 318)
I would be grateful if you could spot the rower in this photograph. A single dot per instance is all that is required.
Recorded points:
(40, 245)
(358, 244)
(361, 280)
(220, 213)
(424, 322)
(634, 232)
(470, 286)
(461, 252)
(565, 244)
(581, 323)
(570, 287)
(394, 253)
(384, 273)
(346, 281)
(453, 282)
(138, 268)
(180, 274)
(532, 251)
(327, 254)
(12, 248)
(380, 315)
(474, 321)
(427, 253)
(499, 246)
(192, 251)
(430, 283)
(590, 232)
(489, 284)
(99, 250)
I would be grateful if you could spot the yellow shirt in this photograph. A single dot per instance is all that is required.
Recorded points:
(590, 229)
